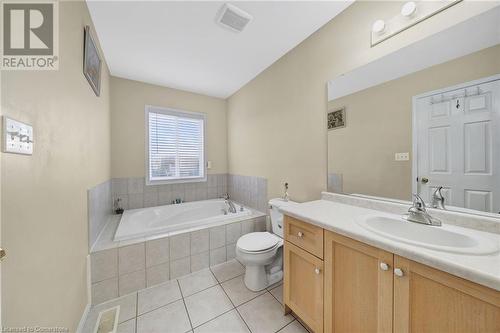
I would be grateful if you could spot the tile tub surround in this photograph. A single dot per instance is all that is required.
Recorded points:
(211, 300)
(119, 268)
(248, 190)
(134, 193)
(99, 205)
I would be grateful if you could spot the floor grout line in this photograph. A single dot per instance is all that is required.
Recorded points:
(185, 306)
(157, 308)
(239, 314)
(281, 329)
(136, 309)
(217, 283)
(206, 322)
(275, 298)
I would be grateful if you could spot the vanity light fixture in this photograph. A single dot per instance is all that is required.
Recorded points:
(411, 13)
(409, 9)
(378, 26)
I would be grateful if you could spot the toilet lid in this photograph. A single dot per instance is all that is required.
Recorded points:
(257, 241)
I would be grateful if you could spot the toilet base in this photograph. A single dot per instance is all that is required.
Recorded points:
(257, 278)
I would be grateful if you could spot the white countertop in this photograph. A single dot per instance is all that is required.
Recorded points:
(341, 218)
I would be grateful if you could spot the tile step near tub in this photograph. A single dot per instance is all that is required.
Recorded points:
(120, 268)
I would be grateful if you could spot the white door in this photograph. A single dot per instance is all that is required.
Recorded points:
(458, 146)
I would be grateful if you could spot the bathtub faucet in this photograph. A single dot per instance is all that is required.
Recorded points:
(232, 207)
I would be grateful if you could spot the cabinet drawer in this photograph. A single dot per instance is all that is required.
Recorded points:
(306, 236)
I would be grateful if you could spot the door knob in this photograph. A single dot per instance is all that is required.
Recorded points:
(424, 180)
(2, 253)
(384, 266)
(399, 272)
(300, 234)
(317, 270)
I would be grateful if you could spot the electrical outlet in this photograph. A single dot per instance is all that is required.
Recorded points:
(402, 156)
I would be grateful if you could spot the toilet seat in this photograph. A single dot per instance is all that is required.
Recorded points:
(258, 242)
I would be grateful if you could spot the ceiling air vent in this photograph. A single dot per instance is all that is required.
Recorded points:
(233, 18)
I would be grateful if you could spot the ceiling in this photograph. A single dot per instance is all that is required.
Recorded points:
(178, 44)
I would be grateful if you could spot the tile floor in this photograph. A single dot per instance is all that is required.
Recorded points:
(213, 300)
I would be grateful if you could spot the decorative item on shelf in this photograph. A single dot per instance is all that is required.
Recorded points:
(91, 62)
(177, 201)
(118, 209)
(336, 119)
(285, 195)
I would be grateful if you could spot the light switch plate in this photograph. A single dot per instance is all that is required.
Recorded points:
(17, 137)
(402, 156)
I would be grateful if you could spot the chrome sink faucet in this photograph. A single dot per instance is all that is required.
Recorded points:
(418, 213)
(232, 207)
(438, 199)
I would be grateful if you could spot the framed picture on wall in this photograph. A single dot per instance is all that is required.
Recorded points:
(336, 119)
(91, 61)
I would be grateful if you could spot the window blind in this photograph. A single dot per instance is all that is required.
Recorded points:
(176, 145)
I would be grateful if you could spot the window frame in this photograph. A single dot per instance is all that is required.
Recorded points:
(178, 113)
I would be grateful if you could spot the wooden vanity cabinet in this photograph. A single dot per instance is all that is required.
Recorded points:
(303, 272)
(430, 300)
(303, 286)
(358, 286)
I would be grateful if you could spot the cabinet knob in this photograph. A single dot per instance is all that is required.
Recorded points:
(300, 234)
(384, 266)
(399, 272)
(317, 270)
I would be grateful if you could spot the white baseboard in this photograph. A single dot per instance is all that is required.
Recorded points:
(81, 324)
(89, 300)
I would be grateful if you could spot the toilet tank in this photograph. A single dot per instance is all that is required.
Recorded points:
(276, 215)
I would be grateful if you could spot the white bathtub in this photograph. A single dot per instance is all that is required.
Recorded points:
(151, 221)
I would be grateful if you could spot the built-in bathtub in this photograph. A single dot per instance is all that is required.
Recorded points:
(148, 246)
(152, 221)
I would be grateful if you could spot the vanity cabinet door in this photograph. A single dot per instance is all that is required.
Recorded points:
(429, 300)
(358, 286)
(303, 286)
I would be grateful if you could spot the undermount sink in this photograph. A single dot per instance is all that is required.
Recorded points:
(445, 238)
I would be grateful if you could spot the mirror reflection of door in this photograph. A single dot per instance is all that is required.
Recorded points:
(458, 135)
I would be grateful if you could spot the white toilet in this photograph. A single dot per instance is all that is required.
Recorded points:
(262, 252)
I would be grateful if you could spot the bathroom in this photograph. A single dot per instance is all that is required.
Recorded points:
(162, 171)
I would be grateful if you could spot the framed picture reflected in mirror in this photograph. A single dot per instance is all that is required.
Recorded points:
(336, 119)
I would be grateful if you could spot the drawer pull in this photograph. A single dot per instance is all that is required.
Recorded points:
(399, 272)
(384, 266)
(317, 270)
(300, 234)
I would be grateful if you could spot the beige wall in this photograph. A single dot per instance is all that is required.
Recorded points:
(44, 196)
(128, 99)
(379, 125)
(276, 123)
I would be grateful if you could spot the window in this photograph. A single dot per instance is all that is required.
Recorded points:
(175, 142)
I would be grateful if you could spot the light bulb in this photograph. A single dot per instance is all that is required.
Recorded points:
(409, 9)
(378, 26)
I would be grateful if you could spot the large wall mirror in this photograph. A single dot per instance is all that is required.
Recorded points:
(423, 118)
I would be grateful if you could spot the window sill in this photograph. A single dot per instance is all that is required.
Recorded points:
(176, 181)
